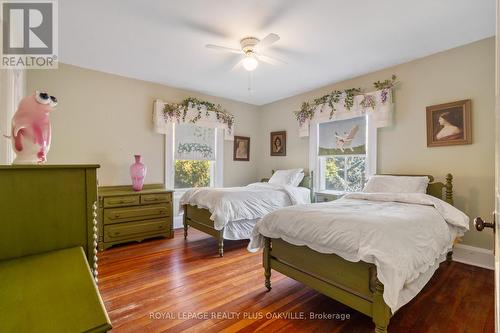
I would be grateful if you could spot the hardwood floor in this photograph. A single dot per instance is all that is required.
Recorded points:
(177, 286)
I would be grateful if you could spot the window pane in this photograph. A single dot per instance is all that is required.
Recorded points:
(345, 173)
(190, 174)
(334, 173)
(355, 173)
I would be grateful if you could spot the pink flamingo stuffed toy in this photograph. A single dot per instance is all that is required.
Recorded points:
(31, 128)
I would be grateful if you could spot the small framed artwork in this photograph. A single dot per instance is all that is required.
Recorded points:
(241, 150)
(449, 124)
(278, 143)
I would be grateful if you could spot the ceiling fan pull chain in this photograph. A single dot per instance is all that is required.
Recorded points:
(250, 76)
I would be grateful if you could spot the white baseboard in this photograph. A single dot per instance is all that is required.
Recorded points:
(474, 256)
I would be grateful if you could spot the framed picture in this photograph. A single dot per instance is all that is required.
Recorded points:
(241, 150)
(449, 124)
(278, 143)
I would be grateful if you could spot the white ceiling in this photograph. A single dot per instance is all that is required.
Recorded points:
(323, 41)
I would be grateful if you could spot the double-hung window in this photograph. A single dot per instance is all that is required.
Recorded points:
(193, 158)
(195, 150)
(345, 154)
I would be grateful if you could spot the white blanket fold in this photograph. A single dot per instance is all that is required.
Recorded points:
(404, 234)
(244, 203)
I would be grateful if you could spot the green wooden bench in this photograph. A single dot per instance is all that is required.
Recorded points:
(50, 292)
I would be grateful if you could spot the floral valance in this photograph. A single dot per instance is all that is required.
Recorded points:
(350, 103)
(192, 110)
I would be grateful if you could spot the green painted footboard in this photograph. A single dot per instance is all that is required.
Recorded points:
(354, 284)
(199, 218)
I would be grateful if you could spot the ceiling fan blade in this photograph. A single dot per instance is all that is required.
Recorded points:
(279, 13)
(271, 60)
(199, 27)
(223, 48)
(268, 40)
(238, 65)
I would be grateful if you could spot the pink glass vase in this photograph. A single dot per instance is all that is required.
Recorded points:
(138, 173)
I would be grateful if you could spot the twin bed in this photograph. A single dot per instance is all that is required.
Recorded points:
(231, 213)
(373, 251)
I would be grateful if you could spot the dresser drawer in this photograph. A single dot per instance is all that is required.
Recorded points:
(126, 200)
(130, 230)
(155, 198)
(125, 214)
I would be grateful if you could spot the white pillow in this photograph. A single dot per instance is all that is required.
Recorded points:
(298, 179)
(396, 184)
(290, 177)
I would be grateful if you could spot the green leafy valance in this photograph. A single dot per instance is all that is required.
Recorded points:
(195, 111)
(346, 103)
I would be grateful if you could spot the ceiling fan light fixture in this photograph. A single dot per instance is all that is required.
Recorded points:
(250, 63)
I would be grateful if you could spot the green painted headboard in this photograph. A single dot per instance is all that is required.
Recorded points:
(440, 190)
(307, 182)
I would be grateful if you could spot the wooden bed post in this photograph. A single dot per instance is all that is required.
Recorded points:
(184, 220)
(449, 199)
(381, 312)
(266, 262)
(449, 189)
(221, 243)
(311, 187)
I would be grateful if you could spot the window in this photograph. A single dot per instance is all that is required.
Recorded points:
(193, 158)
(195, 152)
(345, 155)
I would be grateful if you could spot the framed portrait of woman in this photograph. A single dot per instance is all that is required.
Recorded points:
(278, 143)
(449, 124)
(241, 150)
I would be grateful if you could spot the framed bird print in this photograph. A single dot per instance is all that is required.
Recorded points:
(278, 143)
(449, 124)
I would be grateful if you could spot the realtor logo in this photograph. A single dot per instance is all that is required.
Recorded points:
(29, 37)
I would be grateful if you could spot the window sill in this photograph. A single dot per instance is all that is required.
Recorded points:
(332, 192)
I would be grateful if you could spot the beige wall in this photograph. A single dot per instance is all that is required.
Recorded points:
(103, 118)
(460, 73)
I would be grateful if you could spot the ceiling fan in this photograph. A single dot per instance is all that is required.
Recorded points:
(251, 49)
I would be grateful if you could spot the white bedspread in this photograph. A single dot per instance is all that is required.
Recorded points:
(404, 234)
(244, 203)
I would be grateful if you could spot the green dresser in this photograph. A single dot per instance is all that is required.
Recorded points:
(126, 215)
(48, 262)
(47, 207)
